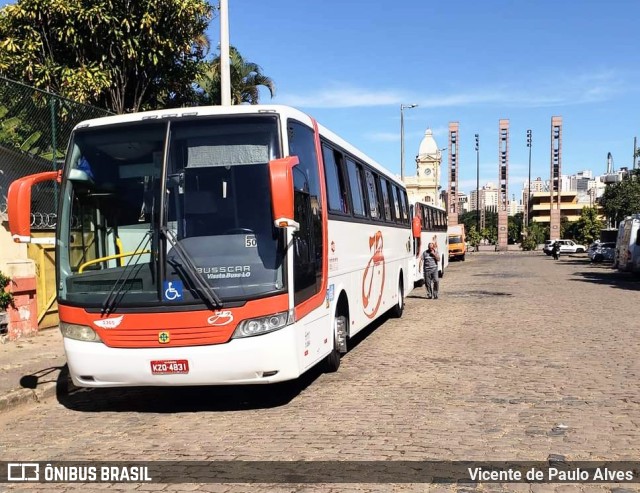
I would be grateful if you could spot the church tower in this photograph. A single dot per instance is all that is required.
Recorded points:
(425, 186)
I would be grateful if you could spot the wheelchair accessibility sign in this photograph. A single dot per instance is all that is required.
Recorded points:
(172, 290)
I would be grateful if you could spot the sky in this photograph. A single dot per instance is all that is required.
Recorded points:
(351, 64)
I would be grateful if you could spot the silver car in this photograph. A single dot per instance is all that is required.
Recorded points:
(604, 252)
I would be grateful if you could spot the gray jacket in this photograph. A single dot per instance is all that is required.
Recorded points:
(428, 262)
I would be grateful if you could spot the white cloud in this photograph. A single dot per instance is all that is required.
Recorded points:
(384, 136)
(343, 97)
(554, 90)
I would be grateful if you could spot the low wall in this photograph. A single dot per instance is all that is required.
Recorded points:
(22, 318)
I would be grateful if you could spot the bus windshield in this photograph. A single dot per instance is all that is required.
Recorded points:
(210, 190)
(455, 239)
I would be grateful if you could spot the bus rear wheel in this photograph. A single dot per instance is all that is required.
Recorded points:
(332, 361)
(398, 309)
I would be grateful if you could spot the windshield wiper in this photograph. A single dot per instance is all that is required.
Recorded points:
(119, 286)
(190, 270)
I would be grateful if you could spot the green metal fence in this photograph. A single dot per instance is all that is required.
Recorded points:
(34, 131)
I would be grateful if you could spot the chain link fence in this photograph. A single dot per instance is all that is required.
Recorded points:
(35, 127)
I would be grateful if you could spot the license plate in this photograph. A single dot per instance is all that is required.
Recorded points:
(169, 367)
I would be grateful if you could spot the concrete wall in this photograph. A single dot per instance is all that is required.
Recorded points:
(22, 318)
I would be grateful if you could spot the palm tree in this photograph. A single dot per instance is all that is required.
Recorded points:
(246, 79)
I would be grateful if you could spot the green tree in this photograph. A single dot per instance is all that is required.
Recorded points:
(589, 225)
(490, 231)
(469, 220)
(474, 237)
(117, 54)
(515, 228)
(6, 298)
(623, 198)
(246, 80)
(535, 234)
(567, 228)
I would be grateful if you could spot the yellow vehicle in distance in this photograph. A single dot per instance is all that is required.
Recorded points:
(457, 242)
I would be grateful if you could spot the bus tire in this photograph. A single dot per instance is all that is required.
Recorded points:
(332, 361)
(398, 309)
(462, 258)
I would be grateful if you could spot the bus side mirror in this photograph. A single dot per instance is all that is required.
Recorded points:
(281, 179)
(19, 204)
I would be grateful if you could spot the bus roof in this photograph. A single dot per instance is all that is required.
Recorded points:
(243, 109)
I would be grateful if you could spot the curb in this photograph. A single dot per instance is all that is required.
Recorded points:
(18, 397)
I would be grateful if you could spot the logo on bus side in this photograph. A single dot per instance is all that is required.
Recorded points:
(109, 323)
(220, 318)
(373, 277)
(164, 337)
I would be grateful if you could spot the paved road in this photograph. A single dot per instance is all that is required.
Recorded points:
(520, 358)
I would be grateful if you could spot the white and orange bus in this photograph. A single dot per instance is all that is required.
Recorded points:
(429, 227)
(218, 245)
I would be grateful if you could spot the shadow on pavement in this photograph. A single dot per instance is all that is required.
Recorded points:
(191, 399)
(33, 380)
(604, 274)
(565, 259)
(180, 399)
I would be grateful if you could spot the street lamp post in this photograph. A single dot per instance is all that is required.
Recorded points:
(402, 108)
(477, 182)
(529, 143)
(225, 70)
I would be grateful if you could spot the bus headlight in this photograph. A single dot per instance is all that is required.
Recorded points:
(79, 332)
(261, 325)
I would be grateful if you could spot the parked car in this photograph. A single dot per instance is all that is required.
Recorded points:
(592, 248)
(604, 252)
(566, 246)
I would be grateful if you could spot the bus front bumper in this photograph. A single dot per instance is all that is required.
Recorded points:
(267, 358)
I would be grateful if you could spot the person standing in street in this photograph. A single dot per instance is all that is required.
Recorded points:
(430, 271)
(556, 250)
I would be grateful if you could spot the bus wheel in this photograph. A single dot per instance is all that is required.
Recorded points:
(462, 258)
(332, 362)
(398, 309)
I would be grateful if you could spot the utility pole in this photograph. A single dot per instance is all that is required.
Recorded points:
(225, 70)
(402, 108)
(527, 208)
(478, 182)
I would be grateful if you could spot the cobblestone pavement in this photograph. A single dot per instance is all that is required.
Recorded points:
(520, 358)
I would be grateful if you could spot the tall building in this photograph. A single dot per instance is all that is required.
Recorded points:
(488, 198)
(463, 202)
(579, 190)
(425, 186)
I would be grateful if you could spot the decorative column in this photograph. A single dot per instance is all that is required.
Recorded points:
(555, 182)
(452, 192)
(503, 187)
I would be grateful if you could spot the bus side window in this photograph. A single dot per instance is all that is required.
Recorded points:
(374, 206)
(405, 206)
(396, 206)
(336, 186)
(384, 188)
(355, 184)
(308, 213)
